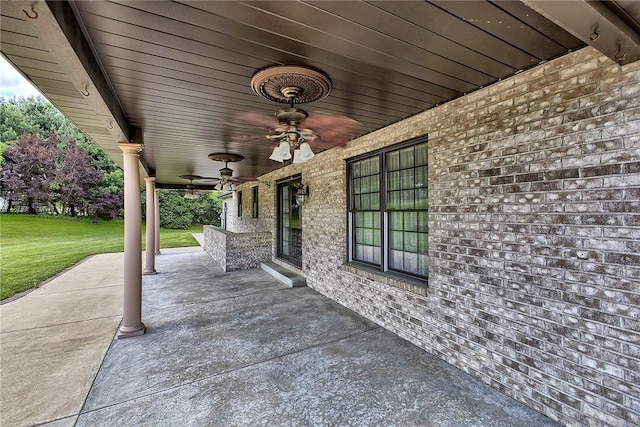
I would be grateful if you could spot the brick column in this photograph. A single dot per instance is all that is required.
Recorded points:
(150, 252)
(132, 320)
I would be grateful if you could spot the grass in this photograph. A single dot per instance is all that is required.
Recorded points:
(34, 248)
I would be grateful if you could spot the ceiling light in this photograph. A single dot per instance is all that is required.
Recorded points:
(291, 85)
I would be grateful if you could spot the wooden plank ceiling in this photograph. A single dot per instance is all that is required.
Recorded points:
(181, 71)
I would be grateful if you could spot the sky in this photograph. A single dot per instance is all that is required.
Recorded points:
(12, 83)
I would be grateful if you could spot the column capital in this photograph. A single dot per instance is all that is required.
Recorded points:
(150, 179)
(130, 147)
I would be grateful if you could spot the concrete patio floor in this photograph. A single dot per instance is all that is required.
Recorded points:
(241, 349)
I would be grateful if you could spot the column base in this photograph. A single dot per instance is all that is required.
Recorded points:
(149, 272)
(131, 331)
(157, 252)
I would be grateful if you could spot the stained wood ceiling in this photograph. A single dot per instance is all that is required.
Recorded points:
(181, 71)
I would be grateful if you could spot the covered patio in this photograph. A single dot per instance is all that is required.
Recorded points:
(468, 173)
(232, 349)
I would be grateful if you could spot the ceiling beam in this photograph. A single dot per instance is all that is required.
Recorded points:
(594, 23)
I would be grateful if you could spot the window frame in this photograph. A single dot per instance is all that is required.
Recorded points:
(255, 211)
(384, 213)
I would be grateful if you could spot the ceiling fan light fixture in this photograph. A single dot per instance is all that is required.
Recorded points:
(285, 150)
(306, 152)
(297, 156)
(276, 155)
(190, 194)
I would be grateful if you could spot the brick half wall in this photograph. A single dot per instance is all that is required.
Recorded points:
(237, 251)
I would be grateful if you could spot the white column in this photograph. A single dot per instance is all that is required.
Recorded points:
(150, 252)
(132, 320)
(156, 206)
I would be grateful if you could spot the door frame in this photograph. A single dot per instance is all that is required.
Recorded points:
(279, 185)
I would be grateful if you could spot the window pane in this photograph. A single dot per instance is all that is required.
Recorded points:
(406, 179)
(375, 183)
(421, 177)
(396, 240)
(406, 158)
(374, 165)
(375, 201)
(365, 187)
(393, 181)
(368, 219)
(367, 236)
(407, 199)
(420, 155)
(396, 260)
(411, 242)
(410, 262)
(355, 170)
(396, 221)
(393, 161)
(393, 201)
(365, 201)
(423, 265)
(422, 221)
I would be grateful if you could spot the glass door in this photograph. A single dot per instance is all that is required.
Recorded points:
(289, 222)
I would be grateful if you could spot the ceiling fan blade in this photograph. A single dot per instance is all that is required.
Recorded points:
(242, 179)
(258, 120)
(276, 136)
(190, 177)
(332, 131)
(321, 123)
(308, 135)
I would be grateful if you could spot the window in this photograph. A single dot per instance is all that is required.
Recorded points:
(254, 202)
(239, 203)
(388, 208)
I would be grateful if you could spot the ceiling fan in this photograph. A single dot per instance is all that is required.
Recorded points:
(191, 189)
(298, 85)
(226, 181)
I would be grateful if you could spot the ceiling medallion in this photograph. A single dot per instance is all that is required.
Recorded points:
(226, 157)
(291, 83)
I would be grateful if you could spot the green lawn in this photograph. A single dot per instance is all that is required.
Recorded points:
(34, 248)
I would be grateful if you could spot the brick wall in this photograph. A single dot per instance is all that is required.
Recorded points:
(237, 251)
(534, 283)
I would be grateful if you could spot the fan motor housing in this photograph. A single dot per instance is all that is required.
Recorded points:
(291, 116)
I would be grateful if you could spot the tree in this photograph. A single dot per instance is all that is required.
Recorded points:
(74, 187)
(13, 122)
(77, 176)
(176, 211)
(29, 171)
(106, 205)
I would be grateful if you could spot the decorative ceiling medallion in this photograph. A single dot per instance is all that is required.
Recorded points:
(226, 157)
(290, 83)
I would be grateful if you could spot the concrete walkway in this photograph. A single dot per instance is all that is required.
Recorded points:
(241, 349)
(53, 341)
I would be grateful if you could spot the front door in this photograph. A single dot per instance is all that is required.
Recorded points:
(289, 223)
